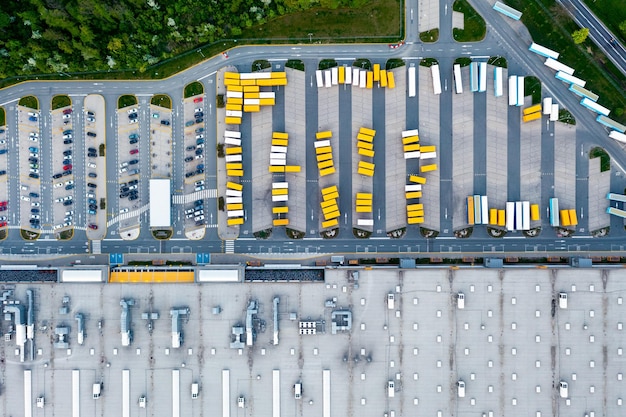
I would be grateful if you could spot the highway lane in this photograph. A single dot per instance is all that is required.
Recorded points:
(501, 40)
(598, 32)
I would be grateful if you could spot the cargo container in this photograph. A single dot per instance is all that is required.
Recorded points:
(327, 134)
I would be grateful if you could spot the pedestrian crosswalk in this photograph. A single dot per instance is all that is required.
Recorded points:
(128, 215)
(229, 246)
(198, 195)
(96, 247)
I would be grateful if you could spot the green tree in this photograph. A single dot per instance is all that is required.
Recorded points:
(580, 35)
(622, 27)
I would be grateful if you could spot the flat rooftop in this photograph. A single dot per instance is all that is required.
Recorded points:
(511, 344)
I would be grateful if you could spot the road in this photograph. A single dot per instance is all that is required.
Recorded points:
(598, 32)
(502, 40)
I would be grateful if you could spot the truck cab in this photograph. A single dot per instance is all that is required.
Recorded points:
(96, 391)
(460, 300)
(460, 388)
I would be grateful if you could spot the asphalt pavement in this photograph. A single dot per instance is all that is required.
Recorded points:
(502, 39)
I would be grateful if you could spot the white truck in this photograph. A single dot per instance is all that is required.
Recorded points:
(195, 391)
(563, 300)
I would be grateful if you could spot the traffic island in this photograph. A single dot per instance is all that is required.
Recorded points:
(495, 232)
(29, 235)
(430, 36)
(532, 232)
(464, 233)
(66, 234)
(294, 234)
(397, 234)
(162, 234)
(361, 234)
(428, 233)
(263, 234)
(196, 234)
(130, 233)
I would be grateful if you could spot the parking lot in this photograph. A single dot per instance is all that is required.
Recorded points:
(95, 174)
(128, 145)
(4, 192)
(64, 155)
(194, 164)
(31, 156)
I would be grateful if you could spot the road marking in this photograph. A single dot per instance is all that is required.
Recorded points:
(208, 75)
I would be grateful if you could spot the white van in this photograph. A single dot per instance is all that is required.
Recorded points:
(391, 301)
(563, 389)
(195, 391)
(391, 389)
(297, 391)
(563, 300)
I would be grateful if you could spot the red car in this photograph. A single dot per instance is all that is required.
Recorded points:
(197, 100)
(134, 151)
(66, 167)
(93, 226)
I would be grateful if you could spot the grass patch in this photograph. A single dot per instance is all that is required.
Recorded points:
(394, 63)
(358, 24)
(566, 117)
(326, 64)
(126, 101)
(428, 62)
(605, 159)
(363, 63)
(612, 13)
(162, 100)
(532, 87)
(463, 61)
(28, 235)
(162, 234)
(550, 25)
(61, 101)
(3, 117)
(4, 233)
(194, 89)
(29, 101)
(295, 64)
(498, 61)
(430, 36)
(66, 234)
(474, 25)
(260, 64)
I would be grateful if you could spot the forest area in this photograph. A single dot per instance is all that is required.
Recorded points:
(60, 36)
